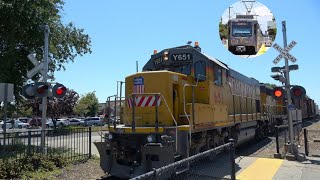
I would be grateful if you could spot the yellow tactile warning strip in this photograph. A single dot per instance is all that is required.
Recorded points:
(261, 169)
(262, 50)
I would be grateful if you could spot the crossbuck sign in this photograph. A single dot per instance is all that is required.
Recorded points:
(284, 53)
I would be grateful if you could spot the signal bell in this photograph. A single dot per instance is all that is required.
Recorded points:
(297, 92)
(59, 90)
(278, 93)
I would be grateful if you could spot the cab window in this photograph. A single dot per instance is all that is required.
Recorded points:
(218, 76)
(200, 70)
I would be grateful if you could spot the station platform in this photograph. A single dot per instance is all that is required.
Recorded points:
(253, 168)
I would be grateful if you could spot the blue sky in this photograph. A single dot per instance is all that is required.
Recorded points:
(123, 32)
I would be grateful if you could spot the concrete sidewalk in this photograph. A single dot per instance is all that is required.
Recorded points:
(251, 168)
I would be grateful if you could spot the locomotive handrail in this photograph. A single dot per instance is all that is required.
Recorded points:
(157, 124)
(184, 103)
(115, 103)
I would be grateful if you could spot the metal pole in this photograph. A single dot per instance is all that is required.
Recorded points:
(287, 85)
(45, 78)
(133, 111)
(137, 65)
(277, 139)
(90, 140)
(232, 159)
(5, 113)
(306, 142)
(157, 116)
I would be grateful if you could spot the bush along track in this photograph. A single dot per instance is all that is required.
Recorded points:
(28, 166)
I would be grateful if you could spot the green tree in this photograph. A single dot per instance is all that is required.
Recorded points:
(270, 85)
(21, 33)
(88, 105)
(223, 30)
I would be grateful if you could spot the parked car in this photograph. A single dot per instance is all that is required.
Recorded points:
(76, 122)
(93, 121)
(59, 123)
(8, 125)
(21, 124)
(35, 122)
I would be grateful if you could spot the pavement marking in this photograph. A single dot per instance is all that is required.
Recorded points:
(262, 50)
(262, 168)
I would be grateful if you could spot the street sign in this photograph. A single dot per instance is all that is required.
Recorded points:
(291, 107)
(284, 53)
(9, 93)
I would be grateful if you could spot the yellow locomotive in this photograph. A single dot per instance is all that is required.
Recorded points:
(184, 102)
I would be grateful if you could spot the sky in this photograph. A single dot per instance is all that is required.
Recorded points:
(123, 32)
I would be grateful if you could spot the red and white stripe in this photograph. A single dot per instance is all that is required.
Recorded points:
(144, 101)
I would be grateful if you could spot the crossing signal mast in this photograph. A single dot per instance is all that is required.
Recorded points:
(42, 89)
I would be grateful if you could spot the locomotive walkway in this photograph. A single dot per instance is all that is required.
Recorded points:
(252, 168)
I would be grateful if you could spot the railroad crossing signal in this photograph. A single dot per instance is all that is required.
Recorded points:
(42, 89)
(284, 53)
(278, 93)
(59, 90)
(38, 66)
(297, 92)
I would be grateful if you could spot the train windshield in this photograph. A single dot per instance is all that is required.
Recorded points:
(241, 30)
(183, 69)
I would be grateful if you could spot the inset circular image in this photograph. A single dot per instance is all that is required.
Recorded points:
(247, 29)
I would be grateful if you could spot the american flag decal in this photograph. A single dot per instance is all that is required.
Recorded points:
(138, 85)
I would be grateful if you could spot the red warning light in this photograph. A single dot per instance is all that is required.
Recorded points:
(42, 89)
(278, 93)
(60, 90)
(297, 92)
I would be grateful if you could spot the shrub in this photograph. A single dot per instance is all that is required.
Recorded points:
(14, 168)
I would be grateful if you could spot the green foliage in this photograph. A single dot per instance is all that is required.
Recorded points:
(88, 105)
(26, 166)
(270, 85)
(21, 33)
(223, 30)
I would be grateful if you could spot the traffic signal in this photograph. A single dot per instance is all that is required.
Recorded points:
(59, 90)
(27, 91)
(278, 93)
(40, 89)
(297, 92)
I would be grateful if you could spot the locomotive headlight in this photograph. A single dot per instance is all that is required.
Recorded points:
(150, 138)
(110, 136)
(166, 55)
